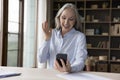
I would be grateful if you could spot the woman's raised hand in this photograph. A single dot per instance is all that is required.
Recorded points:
(47, 30)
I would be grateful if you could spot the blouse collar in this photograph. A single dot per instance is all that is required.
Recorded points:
(68, 33)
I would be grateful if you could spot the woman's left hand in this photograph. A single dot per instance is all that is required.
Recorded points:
(64, 68)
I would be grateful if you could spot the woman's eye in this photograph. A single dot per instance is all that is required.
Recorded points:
(71, 19)
(63, 18)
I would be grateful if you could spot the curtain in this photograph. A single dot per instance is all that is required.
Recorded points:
(1, 25)
(41, 18)
(35, 14)
(30, 22)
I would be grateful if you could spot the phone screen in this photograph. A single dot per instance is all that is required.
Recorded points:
(61, 56)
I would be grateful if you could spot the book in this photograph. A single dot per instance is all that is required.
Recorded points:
(99, 43)
(89, 31)
(4, 73)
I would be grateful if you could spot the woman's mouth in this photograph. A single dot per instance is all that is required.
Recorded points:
(66, 26)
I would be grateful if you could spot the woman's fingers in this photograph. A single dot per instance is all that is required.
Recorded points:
(45, 27)
(68, 66)
(63, 64)
(65, 67)
(47, 30)
(57, 64)
(58, 67)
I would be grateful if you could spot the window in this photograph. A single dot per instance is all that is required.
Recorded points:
(13, 32)
(22, 38)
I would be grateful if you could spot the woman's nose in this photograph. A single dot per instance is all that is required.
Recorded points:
(66, 22)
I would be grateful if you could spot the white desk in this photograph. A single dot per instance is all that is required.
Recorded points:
(47, 74)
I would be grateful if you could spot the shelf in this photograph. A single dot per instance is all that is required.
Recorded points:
(115, 35)
(80, 0)
(111, 61)
(82, 9)
(115, 8)
(91, 22)
(64, 1)
(97, 48)
(97, 0)
(115, 22)
(97, 9)
(97, 35)
(98, 15)
(114, 61)
(115, 49)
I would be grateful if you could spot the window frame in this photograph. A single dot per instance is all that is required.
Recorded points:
(5, 33)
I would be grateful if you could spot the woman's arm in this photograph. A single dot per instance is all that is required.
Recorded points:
(43, 52)
(44, 49)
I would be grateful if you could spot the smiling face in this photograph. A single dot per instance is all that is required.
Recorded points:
(67, 20)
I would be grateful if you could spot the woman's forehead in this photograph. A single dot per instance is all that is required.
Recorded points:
(69, 12)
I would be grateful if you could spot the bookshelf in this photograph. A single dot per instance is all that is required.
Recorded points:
(101, 24)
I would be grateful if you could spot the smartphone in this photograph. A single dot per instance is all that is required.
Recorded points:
(61, 56)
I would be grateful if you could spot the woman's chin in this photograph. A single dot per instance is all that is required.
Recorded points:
(66, 27)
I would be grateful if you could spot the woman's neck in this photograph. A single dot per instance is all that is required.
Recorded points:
(64, 32)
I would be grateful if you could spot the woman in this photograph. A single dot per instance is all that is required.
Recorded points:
(65, 38)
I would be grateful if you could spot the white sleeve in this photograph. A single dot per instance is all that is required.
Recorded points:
(43, 52)
(81, 55)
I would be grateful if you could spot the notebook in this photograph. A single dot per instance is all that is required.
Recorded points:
(4, 73)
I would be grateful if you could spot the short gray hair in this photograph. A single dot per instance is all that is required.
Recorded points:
(78, 25)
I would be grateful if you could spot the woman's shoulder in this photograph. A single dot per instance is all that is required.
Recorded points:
(78, 33)
(55, 30)
(80, 36)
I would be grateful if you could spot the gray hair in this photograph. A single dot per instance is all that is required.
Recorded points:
(78, 25)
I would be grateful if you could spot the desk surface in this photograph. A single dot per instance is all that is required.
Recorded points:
(47, 74)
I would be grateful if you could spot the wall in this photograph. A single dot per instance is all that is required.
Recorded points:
(1, 25)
